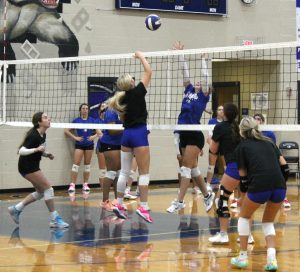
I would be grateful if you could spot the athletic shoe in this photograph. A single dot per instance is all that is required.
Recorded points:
(57, 234)
(85, 187)
(219, 238)
(271, 266)
(196, 191)
(119, 211)
(72, 196)
(71, 187)
(286, 204)
(14, 213)
(250, 240)
(144, 214)
(107, 205)
(59, 223)
(240, 263)
(234, 203)
(129, 196)
(176, 206)
(209, 201)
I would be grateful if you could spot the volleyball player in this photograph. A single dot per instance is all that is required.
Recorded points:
(100, 156)
(212, 158)
(110, 146)
(191, 142)
(31, 151)
(131, 104)
(84, 146)
(225, 139)
(260, 119)
(262, 168)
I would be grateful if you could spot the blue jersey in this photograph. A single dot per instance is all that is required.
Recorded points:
(84, 133)
(214, 121)
(192, 106)
(111, 116)
(270, 134)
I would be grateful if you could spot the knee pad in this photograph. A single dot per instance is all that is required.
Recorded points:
(185, 172)
(111, 174)
(87, 168)
(144, 180)
(75, 168)
(224, 190)
(49, 194)
(222, 207)
(211, 169)
(243, 226)
(37, 196)
(102, 173)
(132, 175)
(268, 229)
(195, 172)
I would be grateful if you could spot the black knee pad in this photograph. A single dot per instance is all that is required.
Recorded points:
(223, 211)
(224, 190)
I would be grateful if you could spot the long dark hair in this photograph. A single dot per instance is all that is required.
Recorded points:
(231, 112)
(36, 118)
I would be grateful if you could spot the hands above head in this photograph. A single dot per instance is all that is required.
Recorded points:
(178, 45)
(139, 55)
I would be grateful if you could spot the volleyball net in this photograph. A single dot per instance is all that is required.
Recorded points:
(257, 78)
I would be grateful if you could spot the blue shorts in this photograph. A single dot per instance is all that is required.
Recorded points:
(135, 137)
(275, 196)
(232, 170)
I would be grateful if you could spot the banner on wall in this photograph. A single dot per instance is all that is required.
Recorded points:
(298, 32)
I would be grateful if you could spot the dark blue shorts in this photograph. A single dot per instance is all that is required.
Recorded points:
(232, 170)
(275, 196)
(83, 147)
(135, 137)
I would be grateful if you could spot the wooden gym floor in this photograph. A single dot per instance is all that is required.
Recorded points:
(97, 241)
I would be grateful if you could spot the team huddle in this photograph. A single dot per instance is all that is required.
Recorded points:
(252, 162)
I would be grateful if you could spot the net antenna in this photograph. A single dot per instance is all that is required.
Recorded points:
(263, 73)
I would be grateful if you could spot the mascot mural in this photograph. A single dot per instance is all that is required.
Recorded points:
(31, 20)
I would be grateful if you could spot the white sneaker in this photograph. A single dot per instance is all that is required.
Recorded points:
(196, 191)
(209, 201)
(234, 204)
(286, 204)
(250, 240)
(129, 196)
(219, 238)
(176, 206)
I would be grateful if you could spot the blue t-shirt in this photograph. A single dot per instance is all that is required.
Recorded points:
(192, 107)
(111, 116)
(84, 133)
(214, 121)
(270, 134)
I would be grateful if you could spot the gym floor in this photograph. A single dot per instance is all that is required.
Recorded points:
(98, 241)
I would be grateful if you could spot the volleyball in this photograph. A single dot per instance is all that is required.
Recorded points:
(153, 22)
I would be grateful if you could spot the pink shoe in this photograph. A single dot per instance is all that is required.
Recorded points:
(71, 188)
(120, 211)
(144, 214)
(85, 187)
(107, 205)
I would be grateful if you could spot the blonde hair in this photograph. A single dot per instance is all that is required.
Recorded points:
(249, 130)
(124, 84)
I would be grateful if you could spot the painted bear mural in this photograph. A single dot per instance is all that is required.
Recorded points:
(36, 19)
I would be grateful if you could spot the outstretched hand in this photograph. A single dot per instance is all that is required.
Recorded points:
(178, 45)
(139, 55)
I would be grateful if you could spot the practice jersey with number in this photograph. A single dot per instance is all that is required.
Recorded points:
(30, 163)
(192, 107)
(84, 133)
(136, 110)
(111, 117)
(223, 134)
(261, 160)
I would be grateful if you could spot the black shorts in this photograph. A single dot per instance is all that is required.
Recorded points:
(81, 147)
(108, 147)
(191, 138)
(25, 169)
